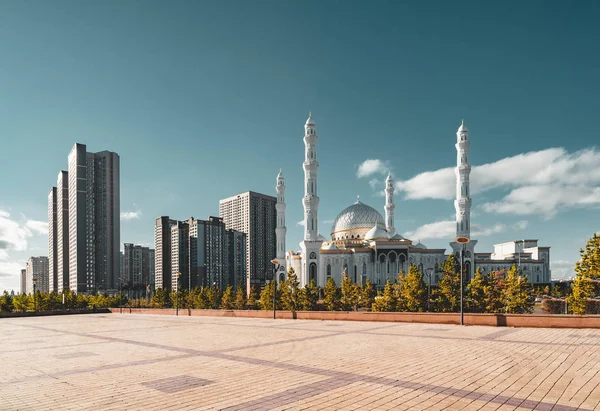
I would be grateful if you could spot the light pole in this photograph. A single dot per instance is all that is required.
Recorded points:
(34, 296)
(463, 241)
(429, 272)
(177, 274)
(121, 279)
(274, 284)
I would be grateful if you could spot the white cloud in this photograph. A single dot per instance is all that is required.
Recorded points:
(12, 234)
(447, 229)
(562, 268)
(374, 183)
(520, 225)
(372, 166)
(40, 227)
(541, 182)
(131, 215)
(300, 223)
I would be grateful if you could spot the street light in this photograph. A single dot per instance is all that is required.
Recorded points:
(462, 240)
(34, 296)
(177, 274)
(121, 279)
(275, 262)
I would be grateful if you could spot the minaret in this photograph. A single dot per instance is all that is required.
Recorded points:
(280, 230)
(311, 245)
(389, 205)
(462, 204)
(310, 165)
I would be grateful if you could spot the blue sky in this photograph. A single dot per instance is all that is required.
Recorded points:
(205, 99)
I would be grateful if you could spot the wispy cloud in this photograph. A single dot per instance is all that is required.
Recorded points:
(131, 215)
(300, 223)
(40, 227)
(372, 166)
(562, 268)
(447, 229)
(13, 235)
(540, 182)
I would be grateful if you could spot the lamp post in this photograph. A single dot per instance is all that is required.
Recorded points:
(274, 283)
(463, 241)
(34, 296)
(121, 279)
(177, 274)
(429, 273)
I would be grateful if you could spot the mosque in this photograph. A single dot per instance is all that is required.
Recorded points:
(366, 245)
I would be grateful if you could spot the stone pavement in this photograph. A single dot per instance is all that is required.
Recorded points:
(154, 362)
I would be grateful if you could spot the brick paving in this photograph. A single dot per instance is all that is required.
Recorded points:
(153, 362)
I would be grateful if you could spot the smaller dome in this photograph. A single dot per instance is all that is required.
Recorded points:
(330, 246)
(376, 232)
(420, 245)
(397, 237)
(310, 120)
(463, 128)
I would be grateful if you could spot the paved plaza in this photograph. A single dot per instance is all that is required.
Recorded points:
(154, 362)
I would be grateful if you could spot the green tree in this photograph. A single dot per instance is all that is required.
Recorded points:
(516, 293)
(23, 302)
(214, 297)
(240, 298)
(331, 295)
(492, 288)
(386, 301)
(475, 298)
(367, 295)
(587, 271)
(413, 294)
(266, 296)
(349, 294)
(290, 293)
(448, 291)
(227, 300)
(160, 299)
(309, 296)
(253, 297)
(6, 302)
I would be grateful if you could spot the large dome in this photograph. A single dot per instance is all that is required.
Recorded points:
(355, 221)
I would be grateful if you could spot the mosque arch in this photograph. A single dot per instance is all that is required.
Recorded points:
(312, 272)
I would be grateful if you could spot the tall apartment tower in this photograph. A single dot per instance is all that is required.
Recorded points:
(52, 240)
(94, 220)
(62, 231)
(162, 252)
(180, 254)
(24, 281)
(138, 261)
(254, 214)
(37, 269)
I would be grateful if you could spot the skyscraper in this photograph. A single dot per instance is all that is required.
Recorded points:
(62, 231)
(37, 270)
(23, 281)
(138, 267)
(93, 193)
(162, 252)
(254, 214)
(52, 240)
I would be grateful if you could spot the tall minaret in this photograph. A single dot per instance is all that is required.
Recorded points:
(311, 245)
(280, 230)
(389, 205)
(310, 165)
(462, 204)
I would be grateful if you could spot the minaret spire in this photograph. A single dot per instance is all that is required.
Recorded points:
(462, 204)
(280, 230)
(389, 205)
(311, 166)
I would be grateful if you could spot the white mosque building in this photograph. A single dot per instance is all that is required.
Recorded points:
(367, 246)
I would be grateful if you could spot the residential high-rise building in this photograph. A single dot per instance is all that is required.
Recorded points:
(138, 267)
(180, 255)
(62, 231)
(254, 214)
(23, 281)
(152, 273)
(236, 255)
(52, 239)
(162, 252)
(94, 220)
(37, 270)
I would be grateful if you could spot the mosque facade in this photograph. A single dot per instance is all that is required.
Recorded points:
(366, 245)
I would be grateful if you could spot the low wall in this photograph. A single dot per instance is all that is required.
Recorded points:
(5, 314)
(507, 320)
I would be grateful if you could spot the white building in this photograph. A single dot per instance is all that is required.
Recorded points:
(367, 246)
(36, 271)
